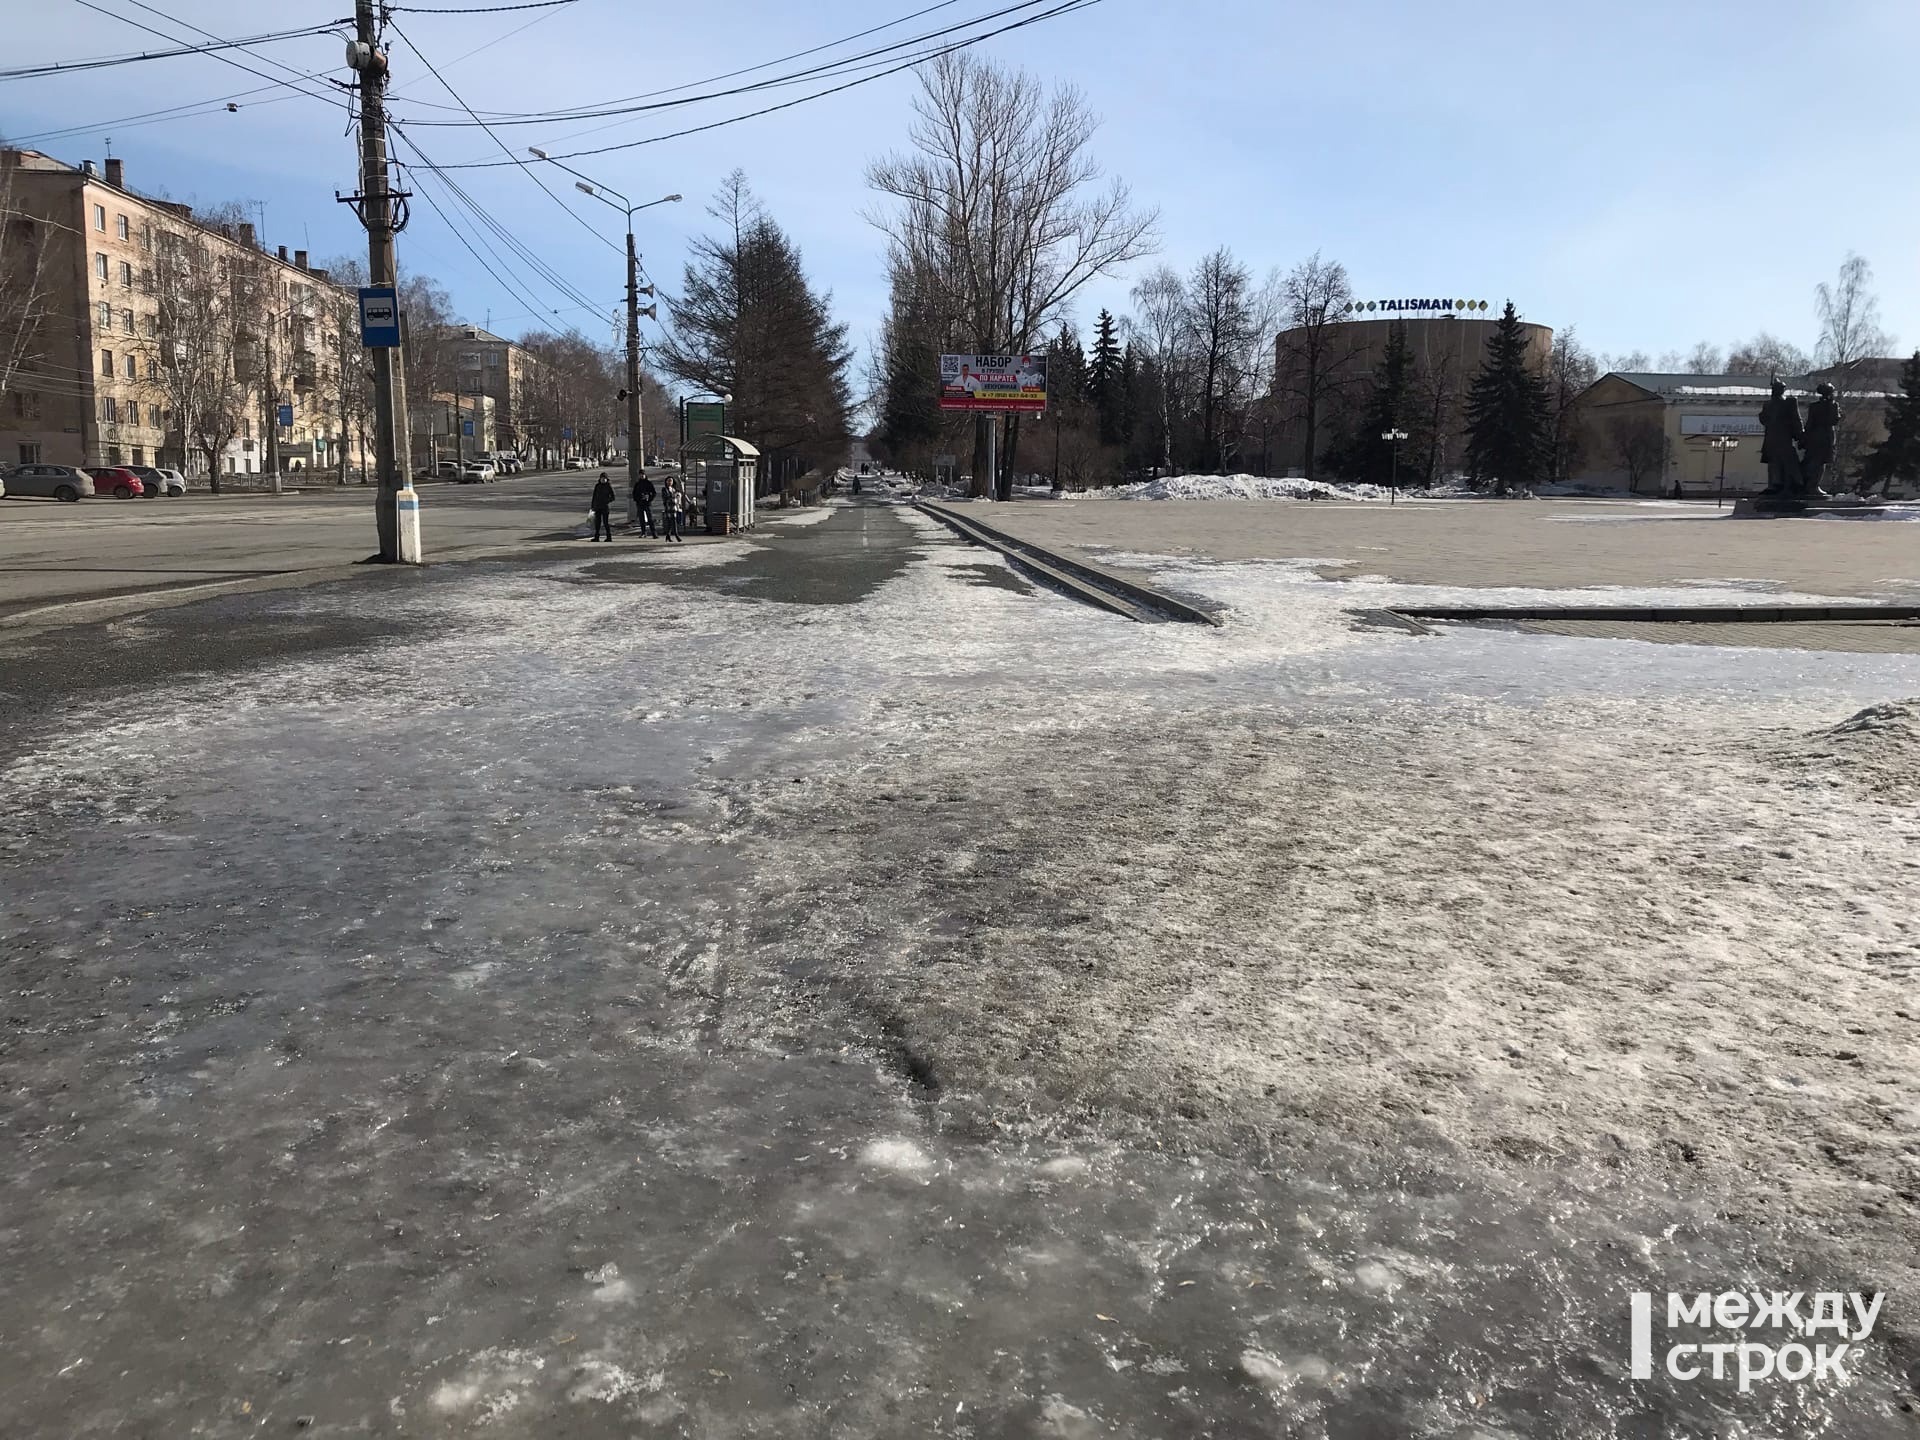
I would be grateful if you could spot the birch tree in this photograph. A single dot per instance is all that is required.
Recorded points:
(197, 355)
(1000, 199)
(1316, 356)
(26, 288)
(1849, 314)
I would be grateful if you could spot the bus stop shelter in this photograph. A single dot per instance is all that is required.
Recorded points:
(722, 474)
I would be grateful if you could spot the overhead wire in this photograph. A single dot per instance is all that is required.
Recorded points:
(102, 62)
(445, 85)
(1066, 7)
(842, 65)
(226, 59)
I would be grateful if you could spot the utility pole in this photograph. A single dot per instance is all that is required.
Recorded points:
(636, 436)
(396, 508)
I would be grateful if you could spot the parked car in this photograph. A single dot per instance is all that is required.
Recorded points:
(473, 472)
(574, 462)
(117, 481)
(54, 482)
(160, 482)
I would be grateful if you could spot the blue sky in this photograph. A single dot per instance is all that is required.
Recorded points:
(1652, 172)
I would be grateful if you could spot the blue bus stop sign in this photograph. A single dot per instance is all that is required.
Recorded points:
(566, 432)
(466, 427)
(286, 417)
(379, 317)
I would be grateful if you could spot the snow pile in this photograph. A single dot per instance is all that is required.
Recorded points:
(1238, 487)
(1881, 512)
(1878, 748)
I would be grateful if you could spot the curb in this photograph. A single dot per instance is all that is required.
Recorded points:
(1697, 614)
(1086, 581)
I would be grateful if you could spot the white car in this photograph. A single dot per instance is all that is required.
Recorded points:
(476, 471)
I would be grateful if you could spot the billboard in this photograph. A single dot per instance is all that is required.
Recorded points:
(994, 382)
(700, 419)
(1721, 425)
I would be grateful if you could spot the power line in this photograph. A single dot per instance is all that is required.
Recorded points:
(68, 67)
(223, 58)
(1067, 7)
(475, 9)
(577, 219)
(842, 65)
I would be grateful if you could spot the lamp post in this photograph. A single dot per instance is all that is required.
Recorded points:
(1394, 437)
(636, 433)
(1723, 443)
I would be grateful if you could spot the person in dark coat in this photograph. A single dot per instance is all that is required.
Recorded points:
(602, 503)
(643, 493)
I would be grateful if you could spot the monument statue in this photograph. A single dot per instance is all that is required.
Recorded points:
(1780, 420)
(1823, 418)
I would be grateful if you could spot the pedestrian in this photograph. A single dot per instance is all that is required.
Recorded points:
(672, 501)
(602, 503)
(643, 493)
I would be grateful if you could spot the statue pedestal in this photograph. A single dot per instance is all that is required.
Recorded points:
(1772, 506)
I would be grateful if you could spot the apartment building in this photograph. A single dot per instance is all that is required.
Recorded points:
(151, 336)
(490, 365)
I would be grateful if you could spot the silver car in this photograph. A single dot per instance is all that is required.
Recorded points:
(55, 482)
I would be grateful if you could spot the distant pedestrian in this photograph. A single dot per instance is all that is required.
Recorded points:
(602, 503)
(643, 493)
(673, 500)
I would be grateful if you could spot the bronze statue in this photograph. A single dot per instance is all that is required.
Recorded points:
(1780, 419)
(1823, 418)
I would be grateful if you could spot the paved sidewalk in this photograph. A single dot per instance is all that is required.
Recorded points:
(1535, 544)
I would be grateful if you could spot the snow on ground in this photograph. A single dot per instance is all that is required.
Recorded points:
(1265, 487)
(1293, 1028)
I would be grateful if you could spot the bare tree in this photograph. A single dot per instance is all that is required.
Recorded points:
(1315, 361)
(348, 371)
(1767, 354)
(999, 200)
(1849, 314)
(1639, 445)
(1223, 333)
(1628, 362)
(1160, 330)
(198, 352)
(26, 288)
(1571, 369)
(1705, 359)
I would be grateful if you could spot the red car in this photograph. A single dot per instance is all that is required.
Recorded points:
(121, 482)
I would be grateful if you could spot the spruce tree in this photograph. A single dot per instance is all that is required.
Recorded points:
(1066, 370)
(1127, 407)
(1508, 434)
(1362, 455)
(1898, 456)
(1104, 390)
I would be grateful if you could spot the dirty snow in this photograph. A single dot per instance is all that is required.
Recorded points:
(1256, 1012)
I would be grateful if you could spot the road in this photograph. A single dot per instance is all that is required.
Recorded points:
(817, 984)
(52, 553)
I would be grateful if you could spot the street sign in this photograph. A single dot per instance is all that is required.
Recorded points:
(286, 417)
(945, 462)
(566, 432)
(466, 427)
(701, 419)
(379, 317)
(994, 383)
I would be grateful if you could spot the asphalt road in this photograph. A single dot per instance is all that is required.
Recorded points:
(51, 553)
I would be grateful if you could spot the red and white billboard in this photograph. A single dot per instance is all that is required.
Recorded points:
(994, 382)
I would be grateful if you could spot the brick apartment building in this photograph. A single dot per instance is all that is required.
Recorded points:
(91, 269)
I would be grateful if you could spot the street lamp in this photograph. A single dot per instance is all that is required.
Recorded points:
(1722, 443)
(1394, 436)
(636, 432)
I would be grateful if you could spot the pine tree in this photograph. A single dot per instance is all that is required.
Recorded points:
(1362, 455)
(1508, 436)
(1127, 407)
(1104, 389)
(1898, 456)
(1066, 370)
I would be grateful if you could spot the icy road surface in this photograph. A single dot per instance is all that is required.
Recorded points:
(822, 986)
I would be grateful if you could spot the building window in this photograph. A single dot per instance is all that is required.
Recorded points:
(106, 316)
(113, 455)
(100, 218)
(133, 368)
(133, 412)
(153, 368)
(29, 453)
(120, 228)
(493, 359)
(139, 454)
(152, 326)
(146, 237)
(109, 410)
(126, 321)
(26, 405)
(100, 265)
(106, 363)
(126, 274)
